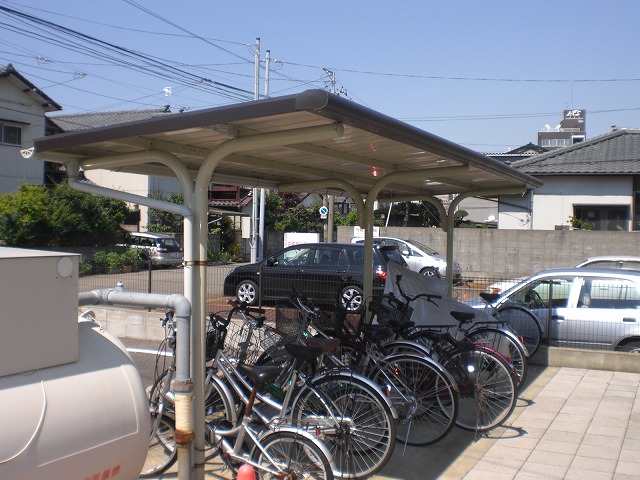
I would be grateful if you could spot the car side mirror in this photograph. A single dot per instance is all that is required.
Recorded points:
(406, 252)
(271, 261)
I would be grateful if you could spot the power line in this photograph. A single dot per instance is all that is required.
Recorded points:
(505, 116)
(471, 79)
(119, 56)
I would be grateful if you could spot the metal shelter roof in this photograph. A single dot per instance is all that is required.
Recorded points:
(312, 141)
(372, 146)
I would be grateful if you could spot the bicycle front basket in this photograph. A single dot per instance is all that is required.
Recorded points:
(387, 312)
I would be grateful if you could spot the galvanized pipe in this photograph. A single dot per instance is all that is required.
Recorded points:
(182, 384)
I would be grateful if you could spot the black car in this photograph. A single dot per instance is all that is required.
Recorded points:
(326, 273)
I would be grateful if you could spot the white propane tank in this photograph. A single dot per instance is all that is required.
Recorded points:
(85, 420)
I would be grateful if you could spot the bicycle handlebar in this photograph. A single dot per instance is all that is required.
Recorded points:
(244, 307)
(430, 297)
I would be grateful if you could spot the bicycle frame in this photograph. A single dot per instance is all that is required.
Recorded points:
(244, 429)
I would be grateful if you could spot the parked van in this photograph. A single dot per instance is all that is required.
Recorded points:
(163, 250)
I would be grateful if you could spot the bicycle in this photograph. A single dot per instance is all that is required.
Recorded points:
(162, 452)
(497, 335)
(349, 411)
(519, 319)
(486, 380)
(278, 452)
(421, 390)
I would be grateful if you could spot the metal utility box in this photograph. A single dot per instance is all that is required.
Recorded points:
(38, 309)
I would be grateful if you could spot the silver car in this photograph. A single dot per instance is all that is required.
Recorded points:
(419, 257)
(583, 307)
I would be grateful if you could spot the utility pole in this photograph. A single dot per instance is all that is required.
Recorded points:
(328, 236)
(263, 198)
(254, 239)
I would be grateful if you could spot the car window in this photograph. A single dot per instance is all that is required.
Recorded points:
(167, 243)
(356, 256)
(630, 265)
(329, 257)
(543, 293)
(295, 256)
(423, 247)
(602, 292)
(393, 255)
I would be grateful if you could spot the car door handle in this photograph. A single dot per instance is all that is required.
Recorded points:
(629, 320)
(559, 318)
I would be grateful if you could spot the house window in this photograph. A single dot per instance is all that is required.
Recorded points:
(604, 217)
(555, 142)
(10, 134)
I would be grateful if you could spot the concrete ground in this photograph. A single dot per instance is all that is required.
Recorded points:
(569, 423)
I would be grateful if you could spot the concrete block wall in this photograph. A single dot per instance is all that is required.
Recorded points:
(510, 253)
(129, 323)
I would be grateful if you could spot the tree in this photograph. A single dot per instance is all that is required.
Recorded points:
(161, 221)
(38, 216)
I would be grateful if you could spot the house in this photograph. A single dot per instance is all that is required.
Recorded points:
(593, 184)
(138, 184)
(484, 211)
(22, 119)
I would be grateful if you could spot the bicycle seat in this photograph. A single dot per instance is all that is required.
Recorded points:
(377, 333)
(326, 344)
(489, 297)
(260, 375)
(400, 325)
(303, 353)
(463, 317)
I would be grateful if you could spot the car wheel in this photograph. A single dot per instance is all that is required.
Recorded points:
(430, 272)
(351, 299)
(247, 291)
(631, 347)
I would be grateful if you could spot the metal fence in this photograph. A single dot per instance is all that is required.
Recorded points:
(599, 325)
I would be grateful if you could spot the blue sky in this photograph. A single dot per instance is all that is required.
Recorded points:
(488, 75)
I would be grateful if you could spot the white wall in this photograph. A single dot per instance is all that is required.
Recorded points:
(553, 203)
(29, 115)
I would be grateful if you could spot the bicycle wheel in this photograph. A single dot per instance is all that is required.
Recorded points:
(506, 344)
(294, 456)
(162, 452)
(486, 386)
(425, 397)
(220, 404)
(524, 324)
(360, 429)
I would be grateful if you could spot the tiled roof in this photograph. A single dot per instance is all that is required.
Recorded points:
(29, 88)
(70, 123)
(614, 153)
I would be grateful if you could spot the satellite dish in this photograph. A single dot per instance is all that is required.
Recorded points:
(548, 127)
(558, 127)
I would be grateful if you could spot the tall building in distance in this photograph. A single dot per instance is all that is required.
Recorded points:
(572, 129)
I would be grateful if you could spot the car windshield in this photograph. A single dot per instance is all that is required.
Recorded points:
(393, 255)
(423, 247)
(542, 293)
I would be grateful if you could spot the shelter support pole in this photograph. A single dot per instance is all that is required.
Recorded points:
(185, 459)
(376, 188)
(200, 235)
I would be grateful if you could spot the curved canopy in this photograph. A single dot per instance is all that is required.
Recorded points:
(370, 147)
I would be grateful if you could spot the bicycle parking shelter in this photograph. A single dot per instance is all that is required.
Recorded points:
(313, 141)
